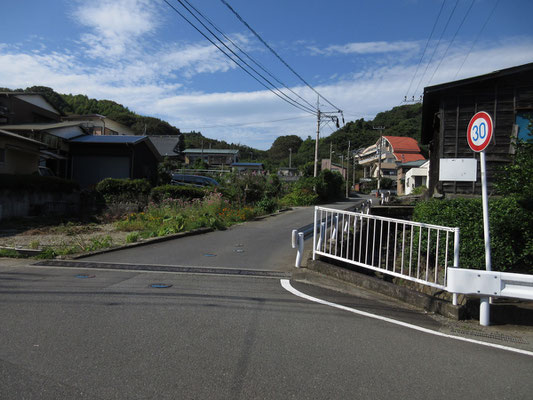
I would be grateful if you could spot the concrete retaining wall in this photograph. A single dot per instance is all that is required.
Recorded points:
(24, 204)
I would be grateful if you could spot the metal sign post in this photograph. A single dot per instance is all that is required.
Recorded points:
(479, 135)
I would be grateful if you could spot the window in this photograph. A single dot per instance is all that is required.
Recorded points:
(524, 121)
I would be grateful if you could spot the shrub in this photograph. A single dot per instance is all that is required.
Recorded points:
(124, 190)
(160, 193)
(329, 185)
(267, 205)
(511, 229)
(300, 197)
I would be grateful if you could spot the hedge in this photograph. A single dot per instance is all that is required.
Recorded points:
(160, 193)
(37, 183)
(511, 231)
(123, 190)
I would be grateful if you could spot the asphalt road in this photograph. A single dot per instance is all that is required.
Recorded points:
(113, 336)
(69, 333)
(263, 244)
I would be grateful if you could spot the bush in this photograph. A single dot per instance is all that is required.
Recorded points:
(511, 230)
(267, 205)
(300, 197)
(37, 183)
(124, 190)
(160, 193)
(330, 185)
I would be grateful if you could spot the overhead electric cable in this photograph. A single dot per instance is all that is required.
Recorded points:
(276, 54)
(293, 103)
(246, 54)
(436, 47)
(425, 48)
(453, 38)
(252, 123)
(244, 62)
(477, 38)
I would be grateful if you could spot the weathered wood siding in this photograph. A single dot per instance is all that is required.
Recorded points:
(457, 106)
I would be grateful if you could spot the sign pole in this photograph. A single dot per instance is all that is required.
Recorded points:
(484, 306)
(479, 136)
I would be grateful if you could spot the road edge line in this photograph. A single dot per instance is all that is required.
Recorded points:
(286, 284)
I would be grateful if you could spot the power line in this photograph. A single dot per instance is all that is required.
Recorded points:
(247, 55)
(276, 54)
(301, 106)
(437, 46)
(425, 48)
(291, 102)
(449, 44)
(477, 37)
(251, 123)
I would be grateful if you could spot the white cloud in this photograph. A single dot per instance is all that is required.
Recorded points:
(366, 48)
(115, 25)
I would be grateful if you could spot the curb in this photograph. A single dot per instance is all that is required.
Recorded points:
(145, 242)
(337, 278)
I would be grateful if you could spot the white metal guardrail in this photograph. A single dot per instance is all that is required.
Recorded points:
(410, 250)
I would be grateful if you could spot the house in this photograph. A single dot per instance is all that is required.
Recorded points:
(403, 169)
(96, 124)
(26, 108)
(392, 151)
(94, 158)
(327, 164)
(18, 154)
(248, 167)
(56, 139)
(416, 176)
(507, 95)
(167, 146)
(212, 157)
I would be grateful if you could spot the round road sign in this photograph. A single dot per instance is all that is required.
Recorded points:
(479, 133)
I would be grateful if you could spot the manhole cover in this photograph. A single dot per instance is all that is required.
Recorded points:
(160, 285)
(84, 276)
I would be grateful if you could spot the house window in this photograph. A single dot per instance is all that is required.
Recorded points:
(524, 121)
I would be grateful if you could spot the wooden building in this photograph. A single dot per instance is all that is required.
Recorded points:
(507, 95)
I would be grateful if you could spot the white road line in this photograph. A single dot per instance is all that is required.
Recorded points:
(285, 283)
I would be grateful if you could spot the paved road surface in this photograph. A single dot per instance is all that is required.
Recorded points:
(70, 333)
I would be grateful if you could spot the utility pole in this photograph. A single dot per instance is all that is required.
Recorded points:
(380, 129)
(290, 156)
(327, 115)
(347, 170)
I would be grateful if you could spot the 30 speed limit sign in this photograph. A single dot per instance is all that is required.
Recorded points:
(479, 131)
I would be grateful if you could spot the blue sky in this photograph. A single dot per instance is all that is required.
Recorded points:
(360, 55)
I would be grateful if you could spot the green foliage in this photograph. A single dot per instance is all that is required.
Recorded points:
(132, 237)
(279, 151)
(124, 190)
(330, 185)
(300, 197)
(37, 183)
(419, 190)
(267, 205)
(516, 178)
(186, 192)
(511, 231)
(164, 170)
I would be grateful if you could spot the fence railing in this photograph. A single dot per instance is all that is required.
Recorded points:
(410, 250)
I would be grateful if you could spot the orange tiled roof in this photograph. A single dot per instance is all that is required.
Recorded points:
(401, 144)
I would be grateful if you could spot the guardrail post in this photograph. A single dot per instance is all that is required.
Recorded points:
(314, 232)
(300, 252)
(455, 259)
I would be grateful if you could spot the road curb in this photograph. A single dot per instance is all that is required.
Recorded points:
(145, 242)
(337, 278)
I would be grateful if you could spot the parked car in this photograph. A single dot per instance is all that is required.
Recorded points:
(195, 180)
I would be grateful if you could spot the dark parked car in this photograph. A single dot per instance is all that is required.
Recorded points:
(195, 180)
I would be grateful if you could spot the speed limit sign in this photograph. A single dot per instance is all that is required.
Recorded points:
(479, 131)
